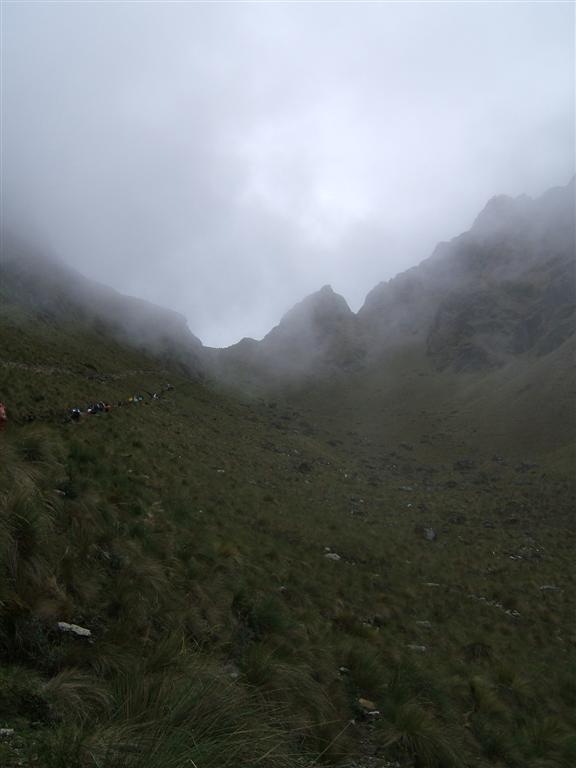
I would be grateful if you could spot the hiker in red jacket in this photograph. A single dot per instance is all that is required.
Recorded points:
(3, 416)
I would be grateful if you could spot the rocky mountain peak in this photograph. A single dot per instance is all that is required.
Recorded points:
(503, 213)
(321, 312)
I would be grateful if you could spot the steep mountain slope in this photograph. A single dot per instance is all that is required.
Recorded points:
(476, 343)
(504, 288)
(315, 338)
(39, 290)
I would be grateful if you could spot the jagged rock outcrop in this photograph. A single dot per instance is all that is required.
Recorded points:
(517, 290)
(502, 289)
(320, 328)
(317, 337)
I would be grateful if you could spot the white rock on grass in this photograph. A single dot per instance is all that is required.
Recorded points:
(74, 629)
(332, 556)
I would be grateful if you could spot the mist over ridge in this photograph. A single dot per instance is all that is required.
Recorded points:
(201, 165)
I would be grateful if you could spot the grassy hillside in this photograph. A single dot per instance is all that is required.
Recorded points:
(272, 583)
(525, 410)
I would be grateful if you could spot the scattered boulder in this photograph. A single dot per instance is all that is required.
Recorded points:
(428, 533)
(232, 671)
(418, 648)
(332, 556)
(549, 588)
(74, 629)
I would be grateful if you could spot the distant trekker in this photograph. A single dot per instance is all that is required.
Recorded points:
(3, 416)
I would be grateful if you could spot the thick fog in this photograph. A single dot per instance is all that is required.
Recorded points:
(225, 160)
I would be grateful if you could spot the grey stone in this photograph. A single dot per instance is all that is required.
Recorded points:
(74, 629)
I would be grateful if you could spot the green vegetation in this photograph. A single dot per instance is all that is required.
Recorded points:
(189, 536)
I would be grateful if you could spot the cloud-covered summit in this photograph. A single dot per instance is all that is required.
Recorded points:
(226, 160)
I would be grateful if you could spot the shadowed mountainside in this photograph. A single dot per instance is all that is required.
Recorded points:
(502, 289)
(479, 336)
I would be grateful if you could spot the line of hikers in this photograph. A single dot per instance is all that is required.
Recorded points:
(76, 414)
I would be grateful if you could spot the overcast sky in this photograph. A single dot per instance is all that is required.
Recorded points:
(225, 160)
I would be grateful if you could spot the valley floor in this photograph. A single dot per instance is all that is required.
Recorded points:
(263, 590)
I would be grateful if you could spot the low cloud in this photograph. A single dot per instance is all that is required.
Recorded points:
(226, 160)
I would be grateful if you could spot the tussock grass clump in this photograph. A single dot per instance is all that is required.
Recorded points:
(367, 670)
(75, 695)
(495, 740)
(20, 693)
(194, 718)
(410, 731)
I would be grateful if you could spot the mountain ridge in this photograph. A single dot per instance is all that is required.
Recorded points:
(515, 245)
(492, 306)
